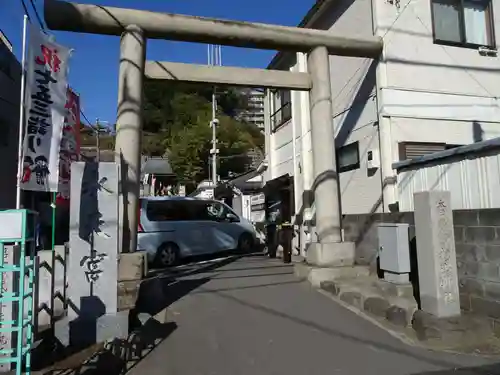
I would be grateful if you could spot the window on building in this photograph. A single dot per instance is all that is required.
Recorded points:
(348, 157)
(467, 23)
(282, 107)
(412, 150)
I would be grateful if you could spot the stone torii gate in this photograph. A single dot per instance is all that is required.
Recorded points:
(135, 26)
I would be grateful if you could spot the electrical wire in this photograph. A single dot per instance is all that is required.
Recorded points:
(466, 70)
(89, 124)
(42, 26)
(25, 7)
(355, 86)
(39, 19)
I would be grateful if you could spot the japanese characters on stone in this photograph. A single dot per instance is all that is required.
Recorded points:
(92, 265)
(46, 87)
(445, 238)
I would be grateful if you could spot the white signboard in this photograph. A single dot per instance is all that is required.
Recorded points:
(258, 199)
(45, 100)
(11, 225)
(258, 208)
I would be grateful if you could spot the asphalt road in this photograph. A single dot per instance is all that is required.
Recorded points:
(251, 316)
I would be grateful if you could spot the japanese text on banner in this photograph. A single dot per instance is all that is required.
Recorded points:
(46, 88)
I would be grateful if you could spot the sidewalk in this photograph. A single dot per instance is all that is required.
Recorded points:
(253, 317)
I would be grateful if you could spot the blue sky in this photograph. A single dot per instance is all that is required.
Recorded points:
(94, 69)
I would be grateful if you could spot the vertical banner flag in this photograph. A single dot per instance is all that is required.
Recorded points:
(70, 145)
(45, 101)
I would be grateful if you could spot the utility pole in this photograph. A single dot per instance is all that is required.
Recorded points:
(97, 140)
(214, 58)
(214, 151)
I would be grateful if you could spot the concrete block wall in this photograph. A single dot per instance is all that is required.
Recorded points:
(477, 240)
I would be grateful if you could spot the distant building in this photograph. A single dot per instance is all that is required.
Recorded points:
(10, 85)
(254, 113)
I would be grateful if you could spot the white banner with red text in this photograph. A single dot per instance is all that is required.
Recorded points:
(70, 145)
(45, 106)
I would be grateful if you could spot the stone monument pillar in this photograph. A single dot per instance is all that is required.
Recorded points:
(92, 298)
(437, 262)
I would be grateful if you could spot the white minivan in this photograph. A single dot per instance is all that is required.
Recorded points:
(171, 228)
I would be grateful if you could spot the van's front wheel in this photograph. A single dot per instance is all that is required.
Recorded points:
(167, 255)
(245, 243)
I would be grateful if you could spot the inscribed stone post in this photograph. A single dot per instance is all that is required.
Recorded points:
(437, 264)
(93, 257)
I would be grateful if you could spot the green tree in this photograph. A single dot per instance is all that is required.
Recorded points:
(152, 144)
(177, 118)
(189, 149)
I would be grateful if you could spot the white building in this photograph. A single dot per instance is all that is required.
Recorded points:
(254, 113)
(436, 86)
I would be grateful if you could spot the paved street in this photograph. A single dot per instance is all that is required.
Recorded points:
(251, 316)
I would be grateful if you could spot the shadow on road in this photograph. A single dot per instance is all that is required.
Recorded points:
(177, 288)
(120, 356)
(402, 350)
(164, 287)
(288, 272)
(480, 370)
(157, 292)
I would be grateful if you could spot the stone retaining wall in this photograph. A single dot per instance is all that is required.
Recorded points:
(477, 238)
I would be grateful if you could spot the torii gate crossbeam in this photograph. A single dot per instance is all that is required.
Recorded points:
(96, 19)
(135, 26)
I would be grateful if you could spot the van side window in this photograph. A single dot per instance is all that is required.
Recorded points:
(215, 211)
(168, 211)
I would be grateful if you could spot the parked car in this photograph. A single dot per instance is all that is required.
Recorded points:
(171, 228)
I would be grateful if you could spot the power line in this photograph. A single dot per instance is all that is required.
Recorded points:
(363, 76)
(85, 117)
(466, 70)
(25, 10)
(39, 19)
(40, 22)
